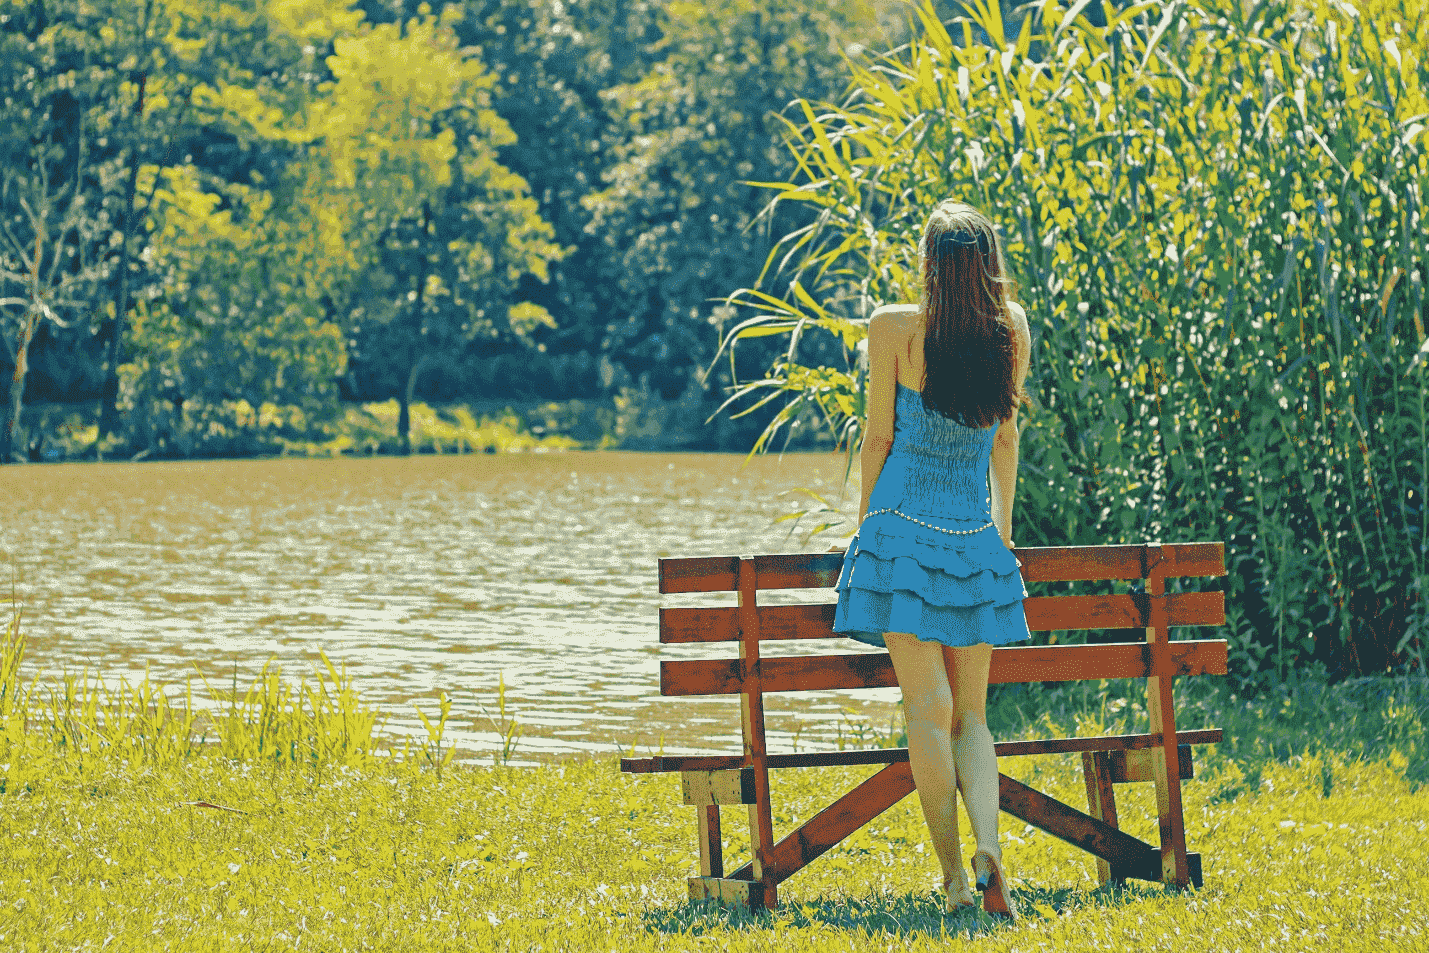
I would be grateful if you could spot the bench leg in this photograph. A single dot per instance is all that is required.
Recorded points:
(1160, 707)
(1101, 803)
(1165, 764)
(711, 845)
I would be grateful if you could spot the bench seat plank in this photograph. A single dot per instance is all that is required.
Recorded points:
(813, 759)
(1032, 663)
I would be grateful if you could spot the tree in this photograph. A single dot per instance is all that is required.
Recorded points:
(405, 144)
(223, 312)
(678, 215)
(553, 63)
(235, 340)
(47, 254)
(51, 233)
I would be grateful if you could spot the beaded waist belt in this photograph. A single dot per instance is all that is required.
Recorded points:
(955, 532)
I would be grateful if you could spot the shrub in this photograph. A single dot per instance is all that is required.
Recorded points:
(1215, 214)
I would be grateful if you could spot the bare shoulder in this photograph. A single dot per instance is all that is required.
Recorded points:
(893, 315)
(891, 320)
(900, 309)
(1019, 320)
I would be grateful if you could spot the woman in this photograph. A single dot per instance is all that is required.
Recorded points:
(930, 574)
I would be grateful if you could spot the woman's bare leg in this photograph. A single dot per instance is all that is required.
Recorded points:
(974, 757)
(928, 709)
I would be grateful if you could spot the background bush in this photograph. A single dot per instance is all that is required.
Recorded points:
(1216, 214)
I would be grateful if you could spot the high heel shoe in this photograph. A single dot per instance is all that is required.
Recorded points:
(996, 898)
(960, 899)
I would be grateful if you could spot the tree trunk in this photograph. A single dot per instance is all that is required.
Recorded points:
(17, 386)
(409, 394)
(404, 417)
(109, 393)
(418, 360)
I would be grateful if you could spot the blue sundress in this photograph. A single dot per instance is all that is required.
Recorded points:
(926, 559)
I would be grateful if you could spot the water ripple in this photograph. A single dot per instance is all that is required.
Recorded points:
(420, 575)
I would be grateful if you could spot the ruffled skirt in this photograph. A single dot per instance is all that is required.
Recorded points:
(958, 590)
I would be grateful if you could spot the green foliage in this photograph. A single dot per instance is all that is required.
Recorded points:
(234, 326)
(634, 417)
(284, 199)
(77, 720)
(1213, 216)
(53, 234)
(372, 428)
(395, 221)
(406, 146)
(506, 725)
(677, 210)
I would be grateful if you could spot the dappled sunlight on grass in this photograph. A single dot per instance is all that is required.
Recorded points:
(576, 856)
(119, 826)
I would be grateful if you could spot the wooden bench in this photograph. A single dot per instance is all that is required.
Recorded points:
(1162, 756)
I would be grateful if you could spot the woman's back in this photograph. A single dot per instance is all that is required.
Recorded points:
(936, 466)
(911, 359)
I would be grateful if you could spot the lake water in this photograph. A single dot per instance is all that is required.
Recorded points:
(422, 575)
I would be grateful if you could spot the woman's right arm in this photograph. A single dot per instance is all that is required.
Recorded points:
(1003, 465)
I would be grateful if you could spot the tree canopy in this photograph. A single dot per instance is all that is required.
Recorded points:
(285, 203)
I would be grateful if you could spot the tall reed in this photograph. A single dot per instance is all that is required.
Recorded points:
(1216, 214)
(315, 724)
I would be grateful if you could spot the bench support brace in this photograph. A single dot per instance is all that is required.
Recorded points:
(1125, 856)
(837, 821)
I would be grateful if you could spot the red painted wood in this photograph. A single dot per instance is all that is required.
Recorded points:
(1005, 749)
(1122, 851)
(1039, 564)
(837, 821)
(1033, 663)
(680, 625)
(751, 705)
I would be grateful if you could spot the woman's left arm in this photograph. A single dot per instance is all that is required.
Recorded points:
(883, 336)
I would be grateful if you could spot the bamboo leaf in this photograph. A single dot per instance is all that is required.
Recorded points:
(1073, 13)
(808, 300)
(988, 15)
(767, 331)
(1131, 13)
(826, 147)
(933, 30)
(1173, 10)
(782, 186)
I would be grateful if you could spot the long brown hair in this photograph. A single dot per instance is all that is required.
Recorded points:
(968, 359)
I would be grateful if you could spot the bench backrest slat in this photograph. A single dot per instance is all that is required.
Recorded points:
(1044, 614)
(1039, 564)
(1032, 663)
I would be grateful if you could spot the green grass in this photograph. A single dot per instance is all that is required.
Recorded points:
(577, 857)
(1312, 818)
